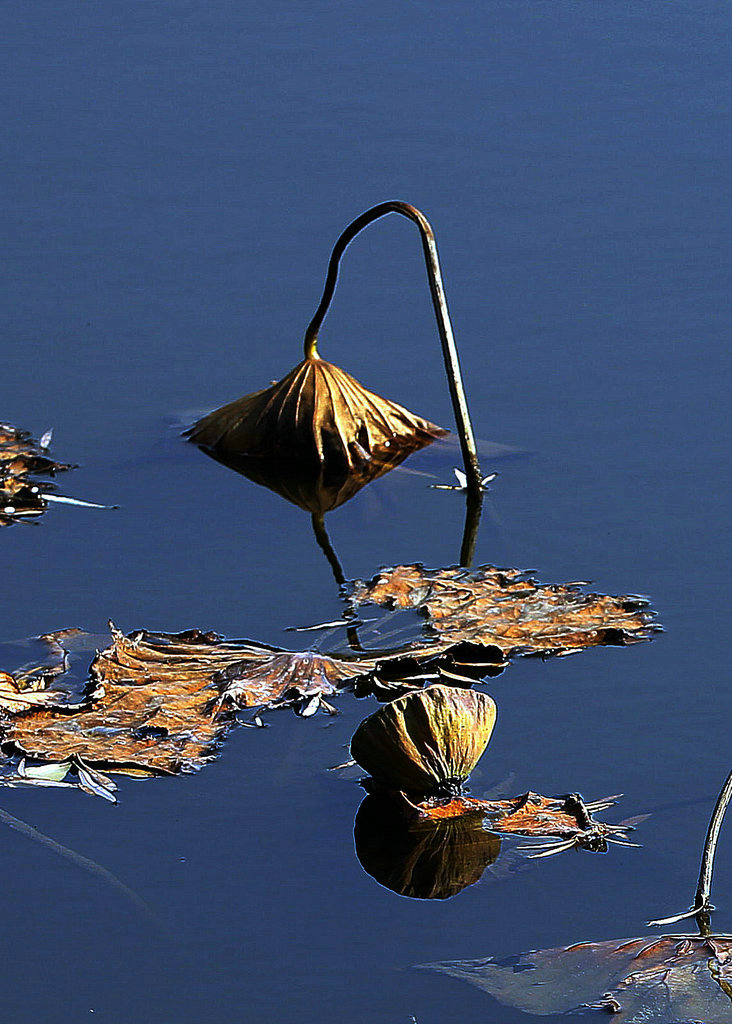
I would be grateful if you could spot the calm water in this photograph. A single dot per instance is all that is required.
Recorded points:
(174, 176)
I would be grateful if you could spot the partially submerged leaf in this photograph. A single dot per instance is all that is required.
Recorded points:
(250, 682)
(423, 861)
(652, 980)
(316, 413)
(154, 702)
(28, 686)
(149, 707)
(426, 742)
(565, 821)
(22, 460)
(506, 608)
(15, 699)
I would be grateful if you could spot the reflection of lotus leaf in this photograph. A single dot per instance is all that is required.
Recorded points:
(653, 980)
(316, 413)
(506, 608)
(428, 741)
(428, 862)
(315, 487)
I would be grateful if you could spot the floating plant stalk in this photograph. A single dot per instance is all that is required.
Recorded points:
(439, 302)
(702, 902)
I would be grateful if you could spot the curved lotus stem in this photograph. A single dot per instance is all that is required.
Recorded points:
(449, 350)
(702, 902)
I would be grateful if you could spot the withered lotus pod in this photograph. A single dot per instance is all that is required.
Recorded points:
(427, 742)
(319, 413)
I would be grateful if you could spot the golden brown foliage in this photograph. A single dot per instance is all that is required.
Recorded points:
(505, 608)
(316, 413)
(155, 701)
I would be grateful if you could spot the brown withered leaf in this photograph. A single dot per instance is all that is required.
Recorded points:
(505, 608)
(249, 683)
(155, 701)
(22, 460)
(652, 980)
(562, 822)
(317, 413)
(15, 698)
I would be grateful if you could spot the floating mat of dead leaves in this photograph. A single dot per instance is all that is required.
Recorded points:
(651, 980)
(155, 700)
(22, 458)
(506, 608)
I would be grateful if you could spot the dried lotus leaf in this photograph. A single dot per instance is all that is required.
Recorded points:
(426, 742)
(507, 608)
(316, 413)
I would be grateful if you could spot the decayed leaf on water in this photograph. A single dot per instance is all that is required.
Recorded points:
(506, 608)
(666, 979)
(22, 460)
(317, 413)
(161, 702)
(560, 823)
(31, 685)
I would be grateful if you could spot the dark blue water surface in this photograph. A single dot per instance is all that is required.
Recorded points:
(174, 176)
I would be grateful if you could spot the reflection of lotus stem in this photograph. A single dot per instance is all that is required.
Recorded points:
(449, 350)
(321, 535)
(473, 508)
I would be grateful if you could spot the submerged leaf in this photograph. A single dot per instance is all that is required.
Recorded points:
(506, 608)
(426, 742)
(662, 979)
(317, 413)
